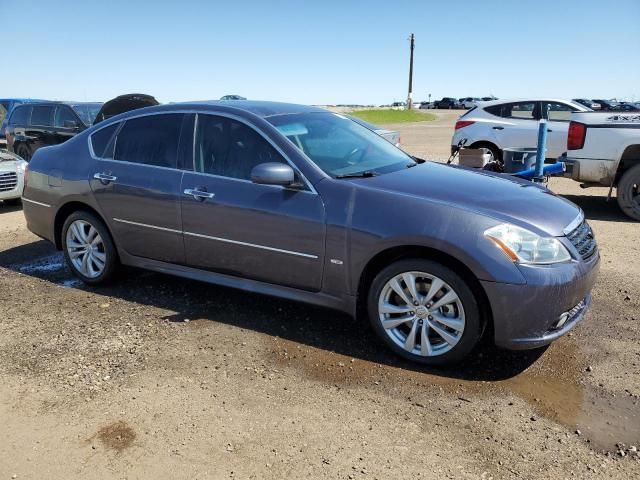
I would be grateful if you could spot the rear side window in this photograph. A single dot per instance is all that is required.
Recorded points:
(150, 140)
(20, 115)
(519, 110)
(101, 139)
(42, 116)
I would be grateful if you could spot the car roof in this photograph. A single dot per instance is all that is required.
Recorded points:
(23, 100)
(529, 99)
(47, 103)
(261, 109)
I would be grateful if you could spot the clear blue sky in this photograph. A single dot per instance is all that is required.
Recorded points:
(319, 52)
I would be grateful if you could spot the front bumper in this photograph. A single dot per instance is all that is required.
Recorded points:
(8, 191)
(527, 316)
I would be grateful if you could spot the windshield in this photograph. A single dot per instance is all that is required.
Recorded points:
(3, 114)
(340, 146)
(87, 111)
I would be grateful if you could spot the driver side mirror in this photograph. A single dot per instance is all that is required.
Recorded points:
(71, 124)
(273, 173)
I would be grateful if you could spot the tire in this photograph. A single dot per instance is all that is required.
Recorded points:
(463, 313)
(101, 262)
(495, 152)
(628, 192)
(24, 152)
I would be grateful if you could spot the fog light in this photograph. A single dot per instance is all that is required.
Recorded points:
(562, 320)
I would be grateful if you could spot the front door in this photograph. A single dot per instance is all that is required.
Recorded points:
(39, 131)
(558, 115)
(137, 185)
(233, 226)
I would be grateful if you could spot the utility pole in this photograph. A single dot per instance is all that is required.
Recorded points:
(409, 99)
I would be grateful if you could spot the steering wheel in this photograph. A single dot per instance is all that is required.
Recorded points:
(349, 158)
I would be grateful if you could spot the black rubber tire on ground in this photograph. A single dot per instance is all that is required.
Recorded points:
(628, 192)
(24, 152)
(495, 151)
(474, 324)
(111, 263)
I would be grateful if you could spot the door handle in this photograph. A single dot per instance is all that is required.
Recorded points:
(198, 194)
(104, 178)
(498, 128)
(549, 130)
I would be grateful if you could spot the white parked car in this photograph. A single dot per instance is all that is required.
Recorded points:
(12, 170)
(500, 124)
(470, 102)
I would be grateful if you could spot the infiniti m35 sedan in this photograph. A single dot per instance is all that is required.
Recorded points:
(308, 205)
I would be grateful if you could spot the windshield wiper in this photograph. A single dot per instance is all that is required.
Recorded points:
(365, 174)
(409, 165)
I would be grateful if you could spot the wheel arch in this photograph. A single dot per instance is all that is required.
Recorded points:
(488, 144)
(630, 158)
(67, 209)
(393, 254)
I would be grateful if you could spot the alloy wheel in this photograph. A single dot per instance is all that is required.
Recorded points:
(421, 313)
(86, 249)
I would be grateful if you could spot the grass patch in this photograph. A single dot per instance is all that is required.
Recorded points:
(393, 116)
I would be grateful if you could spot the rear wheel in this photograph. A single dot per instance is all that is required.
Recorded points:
(628, 193)
(494, 152)
(424, 312)
(88, 248)
(24, 152)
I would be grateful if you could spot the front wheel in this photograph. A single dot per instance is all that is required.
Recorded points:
(628, 193)
(88, 248)
(425, 312)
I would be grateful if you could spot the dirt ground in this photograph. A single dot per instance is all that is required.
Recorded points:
(159, 377)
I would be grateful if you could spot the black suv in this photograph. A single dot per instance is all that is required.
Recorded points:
(36, 125)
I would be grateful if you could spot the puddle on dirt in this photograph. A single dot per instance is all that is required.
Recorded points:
(116, 436)
(51, 263)
(552, 385)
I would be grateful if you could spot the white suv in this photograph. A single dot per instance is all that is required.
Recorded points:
(501, 124)
(12, 170)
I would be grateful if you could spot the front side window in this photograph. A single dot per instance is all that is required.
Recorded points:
(42, 116)
(229, 148)
(558, 112)
(20, 115)
(150, 140)
(65, 118)
(340, 146)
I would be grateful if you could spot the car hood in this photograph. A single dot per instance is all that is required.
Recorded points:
(124, 103)
(505, 198)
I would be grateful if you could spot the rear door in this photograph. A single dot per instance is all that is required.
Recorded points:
(519, 128)
(233, 226)
(39, 131)
(137, 184)
(558, 115)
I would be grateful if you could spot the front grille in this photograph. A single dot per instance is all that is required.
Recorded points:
(582, 238)
(8, 181)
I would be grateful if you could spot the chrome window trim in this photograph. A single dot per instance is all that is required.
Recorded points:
(146, 225)
(195, 123)
(254, 245)
(219, 239)
(42, 204)
(574, 224)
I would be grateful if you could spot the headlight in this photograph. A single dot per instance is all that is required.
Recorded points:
(523, 246)
(22, 166)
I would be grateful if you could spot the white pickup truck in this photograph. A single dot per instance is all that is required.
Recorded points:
(603, 148)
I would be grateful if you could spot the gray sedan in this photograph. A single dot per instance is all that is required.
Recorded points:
(307, 205)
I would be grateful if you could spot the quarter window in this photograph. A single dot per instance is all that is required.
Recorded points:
(101, 139)
(230, 148)
(65, 118)
(150, 140)
(42, 116)
(520, 110)
(20, 115)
